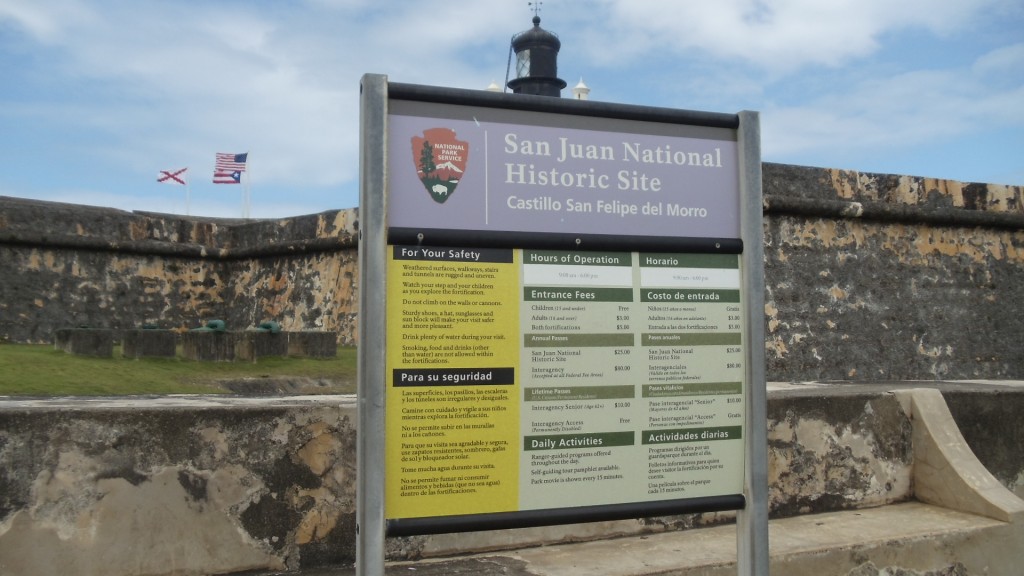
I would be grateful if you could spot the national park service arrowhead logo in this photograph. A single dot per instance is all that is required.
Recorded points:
(440, 160)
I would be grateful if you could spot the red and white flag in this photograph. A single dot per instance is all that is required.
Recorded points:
(172, 176)
(229, 168)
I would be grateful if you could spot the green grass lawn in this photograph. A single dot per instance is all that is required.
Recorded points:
(40, 370)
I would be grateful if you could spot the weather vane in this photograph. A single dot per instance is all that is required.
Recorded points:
(536, 7)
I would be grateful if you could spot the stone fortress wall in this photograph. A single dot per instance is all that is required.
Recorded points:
(883, 277)
(69, 266)
(870, 279)
(868, 276)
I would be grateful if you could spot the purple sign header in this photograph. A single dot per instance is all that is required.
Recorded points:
(460, 174)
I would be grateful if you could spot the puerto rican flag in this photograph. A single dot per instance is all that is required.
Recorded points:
(229, 167)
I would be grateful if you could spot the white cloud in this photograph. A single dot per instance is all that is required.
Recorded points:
(213, 81)
(1002, 64)
(146, 86)
(880, 116)
(782, 36)
(45, 21)
(193, 79)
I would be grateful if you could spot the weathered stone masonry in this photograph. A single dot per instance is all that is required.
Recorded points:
(194, 487)
(210, 485)
(68, 266)
(881, 277)
(869, 276)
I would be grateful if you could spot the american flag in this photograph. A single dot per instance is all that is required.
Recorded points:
(229, 167)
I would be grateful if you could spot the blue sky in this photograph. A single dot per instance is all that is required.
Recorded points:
(96, 96)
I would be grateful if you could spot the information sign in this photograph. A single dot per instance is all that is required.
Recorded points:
(452, 396)
(534, 379)
(486, 170)
(566, 312)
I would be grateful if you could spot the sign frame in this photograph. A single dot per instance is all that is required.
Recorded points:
(375, 237)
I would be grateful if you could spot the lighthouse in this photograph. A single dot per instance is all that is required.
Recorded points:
(536, 57)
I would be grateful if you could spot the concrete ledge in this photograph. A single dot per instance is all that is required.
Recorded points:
(946, 471)
(969, 524)
(913, 537)
(102, 485)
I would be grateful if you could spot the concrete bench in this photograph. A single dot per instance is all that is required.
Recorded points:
(313, 344)
(255, 344)
(208, 346)
(149, 343)
(98, 342)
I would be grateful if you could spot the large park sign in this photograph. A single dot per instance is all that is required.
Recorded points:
(561, 315)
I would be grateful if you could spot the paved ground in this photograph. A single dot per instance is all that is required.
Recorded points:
(477, 566)
(805, 543)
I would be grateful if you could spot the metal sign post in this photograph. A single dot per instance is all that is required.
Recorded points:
(372, 310)
(752, 521)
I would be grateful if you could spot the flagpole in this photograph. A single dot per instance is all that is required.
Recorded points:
(243, 179)
(172, 177)
(248, 189)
